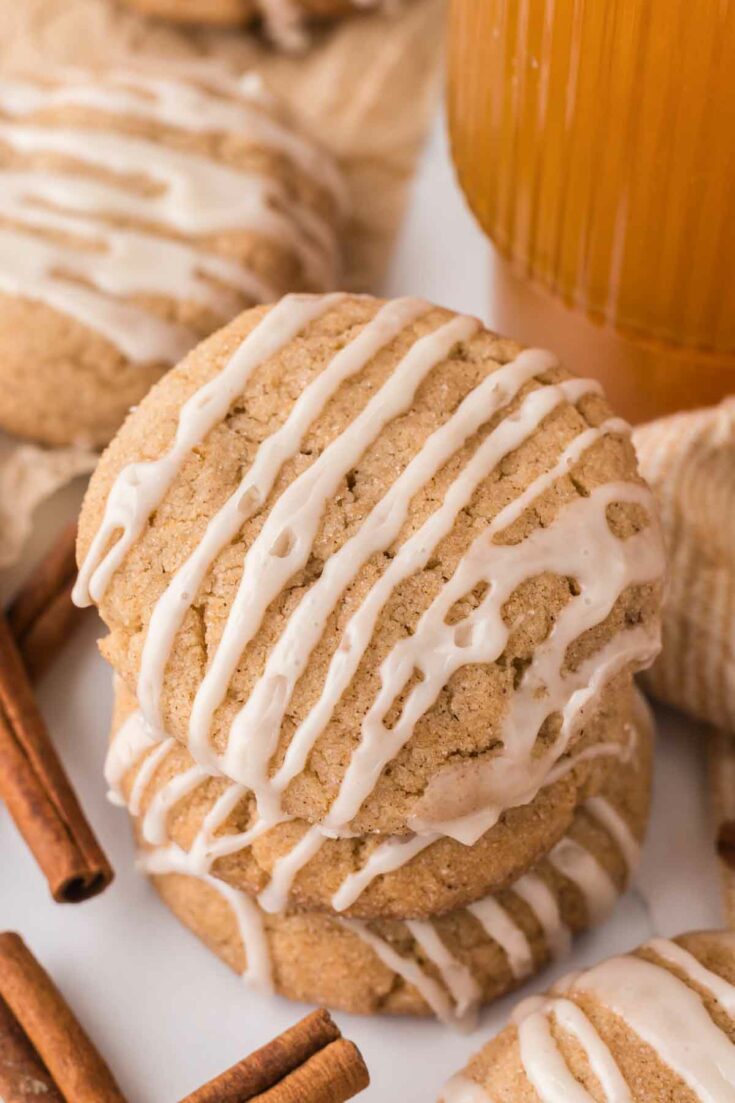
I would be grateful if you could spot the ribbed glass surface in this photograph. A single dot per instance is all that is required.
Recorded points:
(595, 140)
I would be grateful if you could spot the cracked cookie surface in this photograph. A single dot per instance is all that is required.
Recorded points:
(374, 562)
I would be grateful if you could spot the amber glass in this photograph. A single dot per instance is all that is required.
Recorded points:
(595, 141)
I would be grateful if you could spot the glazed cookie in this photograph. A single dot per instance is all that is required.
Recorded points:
(447, 966)
(284, 20)
(138, 214)
(653, 1026)
(215, 822)
(374, 563)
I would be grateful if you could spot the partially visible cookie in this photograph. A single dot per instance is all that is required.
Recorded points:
(284, 20)
(448, 965)
(138, 213)
(215, 821)
(653, 1026)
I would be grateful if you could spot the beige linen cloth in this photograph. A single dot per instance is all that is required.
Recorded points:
(689, 460)
(366, 89)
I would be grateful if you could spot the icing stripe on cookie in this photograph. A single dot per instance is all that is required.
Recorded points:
(97, 280)
(134, 746)
(456, 996)
(572, 545)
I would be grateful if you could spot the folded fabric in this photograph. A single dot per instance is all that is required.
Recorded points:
(689, 461)
(28, 476)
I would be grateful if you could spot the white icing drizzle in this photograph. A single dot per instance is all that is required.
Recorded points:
(385, 858)
(92, 280)
(436, 649)
(140, 487)
(454, 1001)
(135, 739)
(258, 971)
(581, 867)
(461, 1089)
(614, 749)
(131, 741)
(653, 1003)
(146, 772)
(685, 962)
(462, 986)
(254, 488)
(411, 557)
(283, 546)
(154, 827)
(430, 990)
(541, 900)
(234, 106)
(195, 195)
(617, 827)
(25, 266)
(274, 896)
(513, 776)
(670, 1017)
(133, 261)
(207, 846)
(545, 1066)
(500, 925)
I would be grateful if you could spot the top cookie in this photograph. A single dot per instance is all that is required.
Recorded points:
(373, 562)
(137, 215)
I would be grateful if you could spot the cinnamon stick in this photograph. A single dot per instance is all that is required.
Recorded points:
(309, 1063)
(42, 615)
(23, 1076)
(74, 1065)
(37, 792)
(333, 1075)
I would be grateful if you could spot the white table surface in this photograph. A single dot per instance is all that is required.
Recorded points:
(166, 1014)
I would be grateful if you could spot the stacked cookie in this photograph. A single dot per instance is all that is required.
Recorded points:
(377, 582)
(138, 213)
(653, 1026)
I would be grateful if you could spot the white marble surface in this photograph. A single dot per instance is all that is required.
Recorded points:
(166, 1014)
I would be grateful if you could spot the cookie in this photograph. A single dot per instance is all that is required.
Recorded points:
(447, 966)
(214, 820)
(138, 213)
(653, 1026)
(374, 563)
